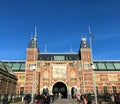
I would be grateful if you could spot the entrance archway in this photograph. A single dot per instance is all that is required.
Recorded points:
(60, 88)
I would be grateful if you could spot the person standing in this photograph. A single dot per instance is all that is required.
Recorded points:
(113, 98)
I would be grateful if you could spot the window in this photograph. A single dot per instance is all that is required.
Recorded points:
(59, 58)
(97, 90)
(86, 66)
(117, 65)
(21, 90)
(105, 89)
(31, 66)
(114, 89)
(109, 66)
(72, 74)
(101, 66)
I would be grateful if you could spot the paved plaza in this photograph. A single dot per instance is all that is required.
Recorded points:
(74, 101)
(65, 101)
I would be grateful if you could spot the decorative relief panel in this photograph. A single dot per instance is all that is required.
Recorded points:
(97, 77)
(59, 71)
(104, 77)
(21, 77)
(112, 77)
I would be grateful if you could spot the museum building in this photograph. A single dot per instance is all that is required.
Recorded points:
(65, 73)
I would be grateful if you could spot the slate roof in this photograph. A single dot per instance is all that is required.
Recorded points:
(84, 43)
(32, 43)
(58, 56)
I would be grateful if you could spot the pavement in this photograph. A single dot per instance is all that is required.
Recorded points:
(74, 101)
(66, 101)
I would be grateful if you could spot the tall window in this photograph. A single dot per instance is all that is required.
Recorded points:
(21, 90)
(114, 89)
(97, 90)
(105, 89)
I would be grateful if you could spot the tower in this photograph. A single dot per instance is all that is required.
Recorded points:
(86, 63)
(31, 63)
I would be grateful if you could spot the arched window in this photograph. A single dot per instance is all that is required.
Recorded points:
(45, 74)
(72, 74)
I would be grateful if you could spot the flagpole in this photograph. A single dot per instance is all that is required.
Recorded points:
(93, 76)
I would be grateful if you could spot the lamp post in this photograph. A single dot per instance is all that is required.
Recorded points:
(33, 67)
(39, 84)
(93, 76)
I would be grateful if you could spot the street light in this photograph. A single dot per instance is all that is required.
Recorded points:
(39, 84)
(33, 67)
(93, 76)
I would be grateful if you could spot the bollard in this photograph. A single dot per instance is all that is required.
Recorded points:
(22, 98)
(13, 97)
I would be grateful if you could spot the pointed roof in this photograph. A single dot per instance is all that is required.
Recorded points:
(84, 43)
(33, 43)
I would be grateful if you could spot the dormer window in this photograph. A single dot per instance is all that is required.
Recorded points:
(85, 45)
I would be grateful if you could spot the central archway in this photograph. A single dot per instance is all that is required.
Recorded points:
(60, 88)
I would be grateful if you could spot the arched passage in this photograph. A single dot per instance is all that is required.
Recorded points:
(73, 91)
(60, 88)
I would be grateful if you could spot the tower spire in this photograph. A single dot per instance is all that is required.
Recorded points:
(35, 32)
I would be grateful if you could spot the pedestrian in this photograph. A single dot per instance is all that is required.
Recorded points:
(85, 99)
(27, 99)
(46, 99)
(113, 98)
(89, 98)
(81, 99)
(38, 101)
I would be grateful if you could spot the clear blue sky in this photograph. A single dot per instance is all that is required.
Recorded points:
(60, 25)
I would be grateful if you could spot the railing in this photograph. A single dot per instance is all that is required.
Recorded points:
(7, 99)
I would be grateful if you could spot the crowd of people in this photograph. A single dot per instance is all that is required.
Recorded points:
(39, 99)
(84, 98)
(45, 98)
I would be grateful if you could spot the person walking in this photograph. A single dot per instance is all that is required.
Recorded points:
(46, 99)
(85, 100)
